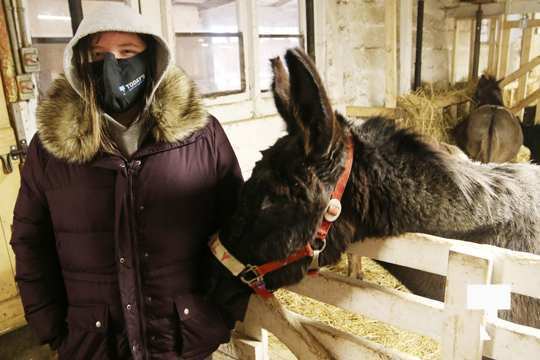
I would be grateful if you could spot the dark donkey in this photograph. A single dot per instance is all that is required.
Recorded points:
(531, 138)
(491, 133)
(399, 183)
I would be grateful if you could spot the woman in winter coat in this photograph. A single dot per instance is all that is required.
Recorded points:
(123, 185)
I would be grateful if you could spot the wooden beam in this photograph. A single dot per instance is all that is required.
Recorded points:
(529, 100)
(511, 341)
(367, 112)
(449, 100)
(515, 268)
(526, 41)
(405, 45)
(364, 298)
(516, 24)
(492, 43)
(344, 345)
(420, 12)
(524, 69)
(286, 326)
(477, 42)
(453, 56)
(503, 58)
(516, 7)
(76, 12)
(498, 42)
(390, 29)
(471, 48)
(461, 330)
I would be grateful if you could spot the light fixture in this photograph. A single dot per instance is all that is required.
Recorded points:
(53, 17)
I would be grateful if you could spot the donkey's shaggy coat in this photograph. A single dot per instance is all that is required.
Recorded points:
(399, 183)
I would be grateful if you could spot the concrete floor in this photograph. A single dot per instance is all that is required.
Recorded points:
(22, 345)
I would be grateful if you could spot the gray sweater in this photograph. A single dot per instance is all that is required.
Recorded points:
(127, 139)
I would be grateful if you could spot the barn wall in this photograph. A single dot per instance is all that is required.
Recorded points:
(351, 47)
(355, 49)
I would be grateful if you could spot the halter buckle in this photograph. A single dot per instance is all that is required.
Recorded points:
(314, 265)
(251, 276)
(336, 205)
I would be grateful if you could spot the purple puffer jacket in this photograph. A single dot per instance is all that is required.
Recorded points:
(111, 254)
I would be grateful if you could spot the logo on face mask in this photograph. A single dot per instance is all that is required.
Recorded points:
(121, 81)
(132, 84)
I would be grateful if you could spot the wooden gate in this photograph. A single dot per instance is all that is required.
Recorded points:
(451, 323)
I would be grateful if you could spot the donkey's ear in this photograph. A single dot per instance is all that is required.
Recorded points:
(311, 106)
(280, 89)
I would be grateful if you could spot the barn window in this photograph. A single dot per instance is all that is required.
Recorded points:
(209, 45)
(225, 45)
(279, 29)
(51, 30)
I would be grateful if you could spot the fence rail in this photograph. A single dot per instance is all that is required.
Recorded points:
(454, 326)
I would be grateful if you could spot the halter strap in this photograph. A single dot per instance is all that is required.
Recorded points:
(253, 275)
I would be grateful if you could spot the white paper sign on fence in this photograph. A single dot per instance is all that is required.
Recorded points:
(488, 297)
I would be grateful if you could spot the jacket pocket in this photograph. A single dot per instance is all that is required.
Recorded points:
(202, 327)
(87, 333)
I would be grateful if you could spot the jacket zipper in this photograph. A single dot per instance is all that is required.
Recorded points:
(135, 249)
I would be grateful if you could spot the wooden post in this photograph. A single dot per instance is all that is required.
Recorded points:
(286, 326)
(500, 25)
(405, 46)
(492, 52)
(477, 33)
(454, 52)
(505, 41)
(503, 58)
(390, 28)
(419, 44)
(461, 333)
(76, 11)
(310, 28)
(524, 59)
(471, 48)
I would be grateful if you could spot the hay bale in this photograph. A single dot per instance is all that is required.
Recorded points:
(421, 111)
(524, 155)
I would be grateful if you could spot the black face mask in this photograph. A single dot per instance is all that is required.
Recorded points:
(120, 82)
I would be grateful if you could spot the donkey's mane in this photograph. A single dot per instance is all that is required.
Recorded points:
(490, 77)
(470, 178)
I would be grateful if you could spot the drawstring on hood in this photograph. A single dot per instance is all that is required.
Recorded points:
(174, 107)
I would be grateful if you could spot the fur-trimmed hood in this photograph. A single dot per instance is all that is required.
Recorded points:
(66, 132)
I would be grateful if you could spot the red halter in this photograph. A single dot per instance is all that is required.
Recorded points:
(253, 275)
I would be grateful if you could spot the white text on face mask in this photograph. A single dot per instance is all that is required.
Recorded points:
(133, 84)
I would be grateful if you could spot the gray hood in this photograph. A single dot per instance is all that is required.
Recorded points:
(117, 17)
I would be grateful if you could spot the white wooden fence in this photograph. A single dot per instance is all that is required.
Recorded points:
(455, 327)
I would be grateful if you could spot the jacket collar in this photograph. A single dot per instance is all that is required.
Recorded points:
(65, 130)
